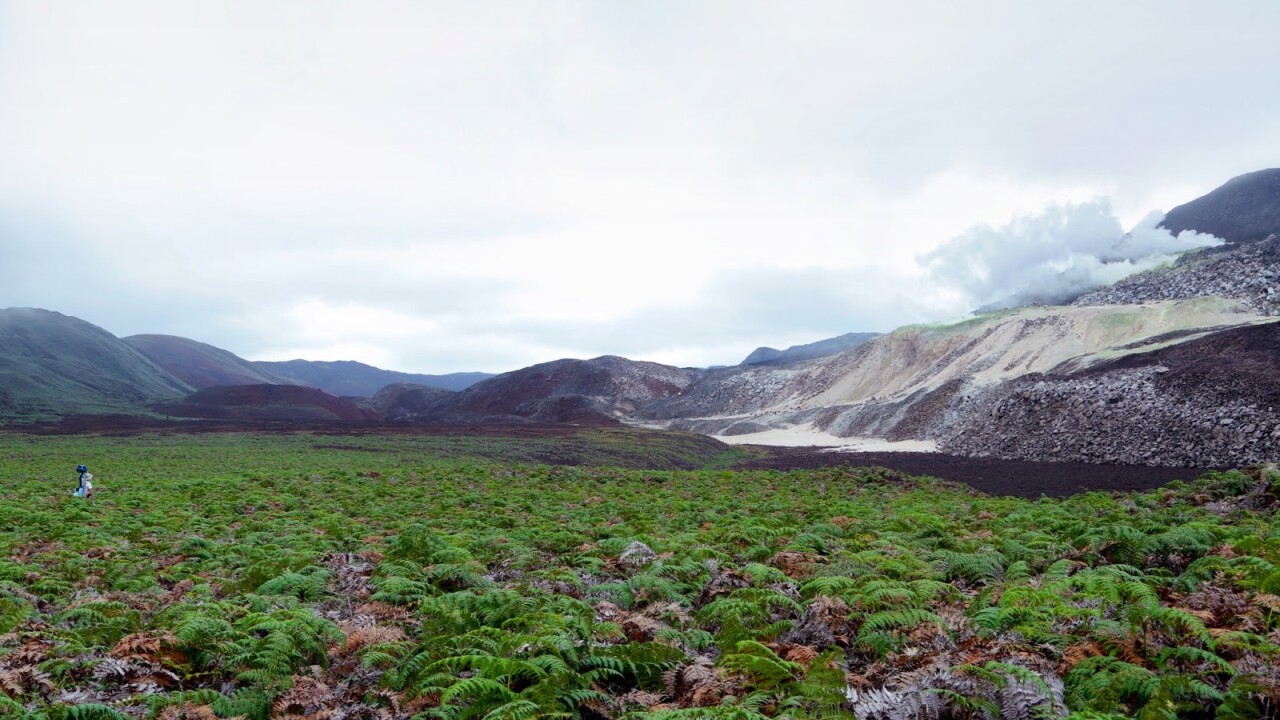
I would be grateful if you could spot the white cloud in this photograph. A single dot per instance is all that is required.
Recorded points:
(515, 181)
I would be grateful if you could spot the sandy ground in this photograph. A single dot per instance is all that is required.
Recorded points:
(806, 436)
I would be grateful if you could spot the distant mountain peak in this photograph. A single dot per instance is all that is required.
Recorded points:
(348, 378)
(1244, 209)
(808, 351)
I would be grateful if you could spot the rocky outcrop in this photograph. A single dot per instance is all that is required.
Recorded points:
(1249, 273)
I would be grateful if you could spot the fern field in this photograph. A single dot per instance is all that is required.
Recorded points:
(298, 576)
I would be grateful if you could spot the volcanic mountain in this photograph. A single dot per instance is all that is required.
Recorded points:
(200, 365)
(53, 365)
(601, 390)
(1244, 209)
(354, 379)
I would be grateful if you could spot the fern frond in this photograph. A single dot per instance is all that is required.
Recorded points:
(892, 619)
(477, 688)
(88, 711)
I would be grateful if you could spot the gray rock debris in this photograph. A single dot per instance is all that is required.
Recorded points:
(1119, 416)
(1249, 273)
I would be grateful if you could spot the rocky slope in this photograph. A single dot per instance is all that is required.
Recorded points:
(898, 385)
(407, 401)
(1248, 272)
(1211, 401)
(201, 365)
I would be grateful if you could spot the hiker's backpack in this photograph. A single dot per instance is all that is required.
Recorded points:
(85, 489)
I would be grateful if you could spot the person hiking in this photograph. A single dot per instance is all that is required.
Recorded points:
(85, 488)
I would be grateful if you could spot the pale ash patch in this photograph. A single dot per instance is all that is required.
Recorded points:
(806, 436)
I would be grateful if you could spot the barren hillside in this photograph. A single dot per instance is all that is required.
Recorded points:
(899, 385)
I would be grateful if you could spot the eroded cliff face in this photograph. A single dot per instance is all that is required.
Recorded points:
(919, 381)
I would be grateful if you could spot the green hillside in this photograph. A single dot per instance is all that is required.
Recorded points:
(52, 365)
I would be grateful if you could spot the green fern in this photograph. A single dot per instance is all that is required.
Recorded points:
(766, 670)
(980, 567)
(1195, 657)
(1109, 685)
(87, 711)
(750, 613)
(831, 586)
(307, 584)
(158, 702)
(900, 619)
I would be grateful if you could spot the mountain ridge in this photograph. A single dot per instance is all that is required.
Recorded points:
(201, 365)
(807, 351)
(351, 378)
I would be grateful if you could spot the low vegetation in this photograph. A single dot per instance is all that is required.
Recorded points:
(307, 576)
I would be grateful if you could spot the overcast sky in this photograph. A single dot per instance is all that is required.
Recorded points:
(448, 186)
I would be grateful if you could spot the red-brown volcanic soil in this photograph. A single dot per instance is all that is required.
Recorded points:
(287, 403)
(989, 475)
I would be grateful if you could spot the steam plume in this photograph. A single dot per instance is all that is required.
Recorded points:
(1055, 256)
